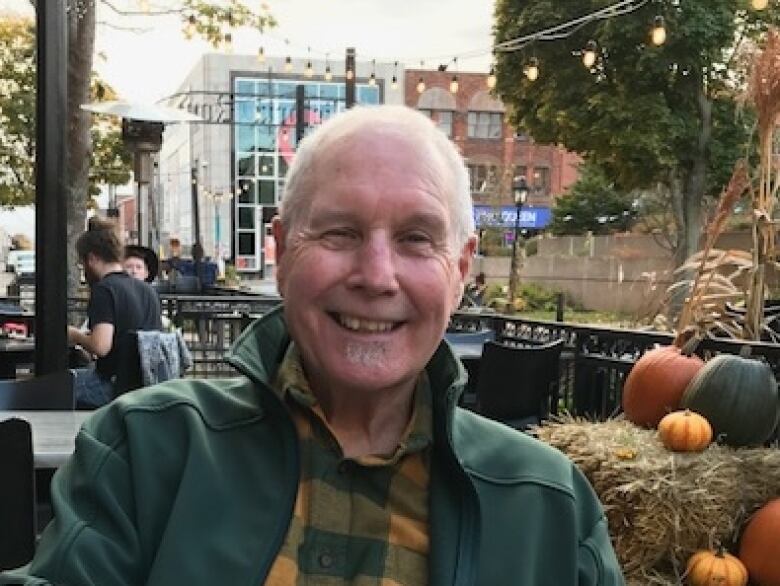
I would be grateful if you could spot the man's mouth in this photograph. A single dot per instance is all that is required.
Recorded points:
(359, 324)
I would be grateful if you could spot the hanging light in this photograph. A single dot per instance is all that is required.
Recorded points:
(491, 78)
(228, 42)
(760, 4)
(328, 74)
(309, 71)
(261, 55)
(421, 85)
(394, 83)
(350, 73)
(658, 35)
(532, 69)
(190, 28)
(143, 5)
(372, 79)
(454, 84)
(288, 64)
(589, 55)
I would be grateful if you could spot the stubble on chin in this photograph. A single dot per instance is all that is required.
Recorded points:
(366, 354)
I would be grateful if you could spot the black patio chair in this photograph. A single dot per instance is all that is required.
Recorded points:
(518, 385)
(50, 392)
(17, 494)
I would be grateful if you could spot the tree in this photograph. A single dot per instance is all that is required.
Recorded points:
(650, 116)
(212, 21)
(110, 162)
(592, 205)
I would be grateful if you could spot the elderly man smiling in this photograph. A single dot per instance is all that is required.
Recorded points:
(340, 456)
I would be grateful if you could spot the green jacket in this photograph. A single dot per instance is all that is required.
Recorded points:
(194, 481)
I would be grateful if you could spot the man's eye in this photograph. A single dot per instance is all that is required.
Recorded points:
(339, 236)
(416, 238)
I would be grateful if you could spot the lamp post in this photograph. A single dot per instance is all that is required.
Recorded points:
(520, 194)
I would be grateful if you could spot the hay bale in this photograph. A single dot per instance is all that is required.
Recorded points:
(662, 506)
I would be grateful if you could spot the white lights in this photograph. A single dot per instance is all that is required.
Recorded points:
(531, 70)
(421, 86)
(589, 54)
(658, 34)
(759, 4)
(328, 74)
(309, 71)
(491, 78)
(288, 67)
(454, 86)
(261, 55)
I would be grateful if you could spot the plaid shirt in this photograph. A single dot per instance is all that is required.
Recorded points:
(361, 521)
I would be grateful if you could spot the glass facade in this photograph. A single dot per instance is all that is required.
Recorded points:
(264, 144)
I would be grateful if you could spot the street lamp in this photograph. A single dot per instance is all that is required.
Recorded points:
(520, 194)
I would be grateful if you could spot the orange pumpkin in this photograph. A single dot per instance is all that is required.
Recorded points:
(706, 568)
(685, 431)
(656, 383)
(759, 548)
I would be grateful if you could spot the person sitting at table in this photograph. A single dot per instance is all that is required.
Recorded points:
(118, 304)
(339, 456)
(141, 262)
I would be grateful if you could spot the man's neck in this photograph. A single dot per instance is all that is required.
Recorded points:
(108, 267)
(367, 422)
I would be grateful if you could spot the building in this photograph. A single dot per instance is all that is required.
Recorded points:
(495, 153)
(228, 170)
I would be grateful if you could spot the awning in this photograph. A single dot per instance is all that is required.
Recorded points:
(504, 217)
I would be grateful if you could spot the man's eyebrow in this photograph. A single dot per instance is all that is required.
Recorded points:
(426, 219)
(327, 217)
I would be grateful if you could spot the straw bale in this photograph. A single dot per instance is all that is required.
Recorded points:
(662, 506)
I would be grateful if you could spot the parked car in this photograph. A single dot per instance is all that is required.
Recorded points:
(21, 262)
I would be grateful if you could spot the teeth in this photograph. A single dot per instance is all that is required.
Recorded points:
(357, 325)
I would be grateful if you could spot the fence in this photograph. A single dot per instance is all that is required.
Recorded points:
(597, 359)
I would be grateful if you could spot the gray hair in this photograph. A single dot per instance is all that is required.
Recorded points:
(451, 170)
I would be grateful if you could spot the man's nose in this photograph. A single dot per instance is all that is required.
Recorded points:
(375, 266)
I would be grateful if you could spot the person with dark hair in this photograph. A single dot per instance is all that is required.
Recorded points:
(118, 304)
(141, 262)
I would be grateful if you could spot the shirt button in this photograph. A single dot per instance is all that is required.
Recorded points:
(325, 560)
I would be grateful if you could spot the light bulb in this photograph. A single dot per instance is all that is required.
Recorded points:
(228, 43)
(190, 29)
(589, 55)
(288, 64)
(261, 55)
(328, 74)
(394, 83)
(420, 86)
(350, 73)
(491, 78)
(658, 35)
(760, 4)
(532, 69)
(454, 84)
(143, 5)
(309, 71)
(372, 80)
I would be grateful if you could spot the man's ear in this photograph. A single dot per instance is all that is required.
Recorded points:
(278, 231)
(465, 259)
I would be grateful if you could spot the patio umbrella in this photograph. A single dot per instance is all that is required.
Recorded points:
(144, 112)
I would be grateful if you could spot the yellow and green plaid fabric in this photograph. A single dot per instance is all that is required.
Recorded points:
(361, 522)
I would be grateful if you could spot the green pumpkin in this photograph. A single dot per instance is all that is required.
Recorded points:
(739, 398)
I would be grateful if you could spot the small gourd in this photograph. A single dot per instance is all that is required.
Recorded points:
(706, 568)
(685, 431)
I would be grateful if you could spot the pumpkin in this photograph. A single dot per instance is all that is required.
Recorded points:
(685, 431)
(738, 396)
(759, 548)
(706, 568)
(656, 383)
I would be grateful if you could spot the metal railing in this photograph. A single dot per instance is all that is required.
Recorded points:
(597, 359)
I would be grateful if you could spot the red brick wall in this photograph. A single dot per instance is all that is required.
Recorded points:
(506, 153)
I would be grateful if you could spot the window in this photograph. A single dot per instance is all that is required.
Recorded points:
(485, 124)
(442, 118)
(484, 178)
(541, 180)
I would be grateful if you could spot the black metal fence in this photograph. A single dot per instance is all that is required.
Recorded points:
(597, 359)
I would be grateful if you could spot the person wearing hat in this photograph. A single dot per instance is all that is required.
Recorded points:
(141, 262)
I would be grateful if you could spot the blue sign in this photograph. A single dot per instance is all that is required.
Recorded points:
(504, 217)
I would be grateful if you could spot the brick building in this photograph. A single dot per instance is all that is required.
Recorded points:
(494, 152)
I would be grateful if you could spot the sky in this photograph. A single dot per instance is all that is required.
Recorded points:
(149, 62)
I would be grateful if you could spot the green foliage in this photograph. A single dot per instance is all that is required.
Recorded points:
(491, 242)
(538, 297)
(592, 205)
(214, 22)
(110, 162)
(637, 113)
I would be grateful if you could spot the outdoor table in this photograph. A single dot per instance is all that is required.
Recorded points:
(15, 351)
(53, 434)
